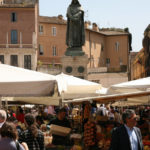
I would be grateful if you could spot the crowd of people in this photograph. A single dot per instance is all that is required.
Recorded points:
(125, 133)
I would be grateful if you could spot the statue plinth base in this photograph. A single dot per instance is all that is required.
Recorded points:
(74, 51)
(75, 65)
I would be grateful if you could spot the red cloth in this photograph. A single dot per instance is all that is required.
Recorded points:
(14, 115)
(20, 118)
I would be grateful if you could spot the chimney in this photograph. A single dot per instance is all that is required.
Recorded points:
(95, 27)
(87, 24)
(60, 17)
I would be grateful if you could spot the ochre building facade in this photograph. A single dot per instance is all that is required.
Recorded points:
(105, 48)
(18, 33)
(138, 66)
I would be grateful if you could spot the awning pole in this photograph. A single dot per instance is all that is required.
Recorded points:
(62, 99)
(6, 104)
(148, 99)
(0, 102)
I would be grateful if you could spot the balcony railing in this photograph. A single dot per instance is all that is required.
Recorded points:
(17, 46)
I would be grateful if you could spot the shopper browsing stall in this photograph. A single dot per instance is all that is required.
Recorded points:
(60, 120)
(32, 135)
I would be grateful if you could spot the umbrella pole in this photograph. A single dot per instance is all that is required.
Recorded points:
(0, 102)
(149, 99)
(6, 104)
(62, 99)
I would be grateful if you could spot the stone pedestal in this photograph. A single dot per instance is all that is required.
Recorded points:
(75, 65)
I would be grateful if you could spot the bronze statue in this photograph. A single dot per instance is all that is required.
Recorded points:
(75, 36)
(146, 45)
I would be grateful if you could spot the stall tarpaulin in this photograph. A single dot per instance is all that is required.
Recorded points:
(71, 87)
(127, 103)
(142, 84)
(27, 86)
(109, 98)
(46, 100)
(139, 85)
(15, 81)
(137, 91)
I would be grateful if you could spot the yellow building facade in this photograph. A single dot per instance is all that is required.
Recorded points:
(19, 33)
(137, 66)
(104, 47)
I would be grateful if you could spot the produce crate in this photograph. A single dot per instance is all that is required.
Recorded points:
(59, 130)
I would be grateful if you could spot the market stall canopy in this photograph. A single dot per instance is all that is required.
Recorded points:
(109, 98)
(33, 100)
(139, 85)
(15, 81)
(71, 87)
(128, 103)
(137, 91)
(130, 86)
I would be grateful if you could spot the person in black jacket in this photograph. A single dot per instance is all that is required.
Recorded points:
(127, 136)
(60, 120)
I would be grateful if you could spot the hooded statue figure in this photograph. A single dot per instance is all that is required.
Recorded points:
(75, 37)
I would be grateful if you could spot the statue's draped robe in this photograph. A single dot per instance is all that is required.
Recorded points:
(75, 26)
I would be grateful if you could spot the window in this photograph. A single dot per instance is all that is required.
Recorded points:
(120, 61)
(41, 51)
(117, 46)
(107, 60)
(13, 17)
(54, 51)
(14, 60)
(14, 37)
(102, 47)
(91, 44)
(95, 45)
(41, 29)
(53, 31)
(27, 61)
(2, 59)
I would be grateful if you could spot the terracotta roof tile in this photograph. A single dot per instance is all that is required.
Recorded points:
(55, 20)
(113, 32)
(17, 6)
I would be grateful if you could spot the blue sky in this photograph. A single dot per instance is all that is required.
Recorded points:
(134, 14)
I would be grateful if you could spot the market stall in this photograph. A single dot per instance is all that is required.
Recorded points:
(71, 87)
(19, 82)
(106, 125)
(15, 81)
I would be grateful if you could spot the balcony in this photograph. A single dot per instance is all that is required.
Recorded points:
(17, 46)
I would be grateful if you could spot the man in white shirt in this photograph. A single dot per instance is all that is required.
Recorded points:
(127, 136)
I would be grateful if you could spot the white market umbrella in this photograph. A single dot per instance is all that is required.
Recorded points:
(71, 87)
(15, 81)
(139, 85)
(136, 92)
(142, 84)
